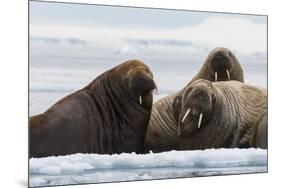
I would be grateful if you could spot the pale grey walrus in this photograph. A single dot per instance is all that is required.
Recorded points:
(109, 115)
(220, 65)
(221, 115)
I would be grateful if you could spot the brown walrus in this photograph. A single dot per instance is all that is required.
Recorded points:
(110, 115)
(220, 65)
(221, 115)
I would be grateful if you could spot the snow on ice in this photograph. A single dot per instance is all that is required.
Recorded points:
(95, 168)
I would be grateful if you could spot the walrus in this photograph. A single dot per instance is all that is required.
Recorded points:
(221, 115)
(109, 115)
(220, 65)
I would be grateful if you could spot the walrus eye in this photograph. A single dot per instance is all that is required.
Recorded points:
(230, 54)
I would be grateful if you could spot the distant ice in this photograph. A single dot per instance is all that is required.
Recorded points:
(94, 168)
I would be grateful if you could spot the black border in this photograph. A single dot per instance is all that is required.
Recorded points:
(153, 8)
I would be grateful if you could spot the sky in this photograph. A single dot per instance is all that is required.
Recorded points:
(122, 16)
(127, 29)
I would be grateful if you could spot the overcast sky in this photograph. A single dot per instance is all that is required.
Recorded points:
(110, 16)
(126, 28)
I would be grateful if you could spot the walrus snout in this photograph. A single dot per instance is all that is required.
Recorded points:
(221, 64)
(197, 105)
(141, 83)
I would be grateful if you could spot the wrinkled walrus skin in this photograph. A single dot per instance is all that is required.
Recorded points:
(220, 65)
(110, 115)
(233, 115)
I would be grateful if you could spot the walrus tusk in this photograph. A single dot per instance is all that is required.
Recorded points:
(185, 115)
(200, 119)
(140, 99)
(228, 75)
(216, 76)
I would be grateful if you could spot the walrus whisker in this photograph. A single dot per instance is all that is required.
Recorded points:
(140, 99)
(200, 119)
(185, 115)
(216, 76)
(228, 75)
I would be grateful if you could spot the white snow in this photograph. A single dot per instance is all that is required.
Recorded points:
(50, 170)
(94, 168)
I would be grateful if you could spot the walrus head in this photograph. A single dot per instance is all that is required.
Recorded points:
(139, 79)
(130, 82)
(194, 108)
(223, 65)
(123, 96)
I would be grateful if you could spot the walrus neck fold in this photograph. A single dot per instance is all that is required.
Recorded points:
(122, 115)
(228, 114)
